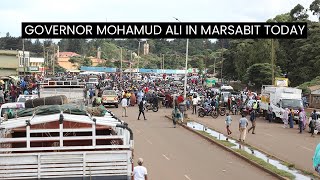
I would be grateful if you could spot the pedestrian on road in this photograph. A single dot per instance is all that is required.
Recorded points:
(312, 123)
(243, 124)
(140, 172)
(316, 159)
(301, 118)
(141, 109)
(253, 121)
(228, 124)
(270, 113)
(194, 104)
(176, 116)
(124, 104)
(290, 116)
(285, 118)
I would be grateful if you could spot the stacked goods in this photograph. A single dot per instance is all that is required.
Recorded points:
(53, 100)
(97, 111)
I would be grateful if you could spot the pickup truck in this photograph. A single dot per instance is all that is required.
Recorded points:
(110, 97)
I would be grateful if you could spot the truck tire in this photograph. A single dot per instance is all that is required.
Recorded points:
(52, 100)
(116, 105)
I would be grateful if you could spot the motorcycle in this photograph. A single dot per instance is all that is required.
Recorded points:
(207, 112)
(152, 107)
(234, 109)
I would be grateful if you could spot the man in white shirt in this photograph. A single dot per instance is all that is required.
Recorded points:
(140, 172)
(194, 104)
(124, 104)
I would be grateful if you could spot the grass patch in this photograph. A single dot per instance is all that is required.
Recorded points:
(289, 165)
(265, 164)
(225, 143)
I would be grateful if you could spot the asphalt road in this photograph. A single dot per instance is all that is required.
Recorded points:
(175, 153)
(286, 144)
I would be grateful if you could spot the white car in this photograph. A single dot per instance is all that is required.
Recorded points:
(24, 98)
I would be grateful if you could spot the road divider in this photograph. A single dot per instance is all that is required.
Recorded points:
(277, 168)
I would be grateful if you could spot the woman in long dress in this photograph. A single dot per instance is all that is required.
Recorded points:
(285, 118)
(133, 99)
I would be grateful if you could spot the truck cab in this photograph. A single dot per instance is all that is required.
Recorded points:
(281, 98)
(15, 106)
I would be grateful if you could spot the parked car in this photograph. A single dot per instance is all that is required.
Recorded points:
(110, 97)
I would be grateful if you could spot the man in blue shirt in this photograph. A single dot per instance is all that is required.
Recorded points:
(243, 124)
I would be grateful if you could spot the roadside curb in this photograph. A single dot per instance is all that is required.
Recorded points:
(232, 151)
(268, 154)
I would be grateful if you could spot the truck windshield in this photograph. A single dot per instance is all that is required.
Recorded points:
(291, 103)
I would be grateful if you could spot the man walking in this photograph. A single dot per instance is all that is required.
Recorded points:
(228, 123)
(140, 172)
(194, 104)
(253, 121)
(141, 109)
(243, 124)
(301, 118)
(124, 104)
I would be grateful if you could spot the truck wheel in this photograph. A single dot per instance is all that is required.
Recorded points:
(116, 105)
(297, 122)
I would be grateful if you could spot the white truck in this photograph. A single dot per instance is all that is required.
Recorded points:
(43, 143)
(279, 99)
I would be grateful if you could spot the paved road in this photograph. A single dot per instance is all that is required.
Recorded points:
(175, 153)
(272, 138)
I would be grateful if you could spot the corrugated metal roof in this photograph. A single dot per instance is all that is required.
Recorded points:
(313, 88)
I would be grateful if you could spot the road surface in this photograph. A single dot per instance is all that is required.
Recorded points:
(286, 144)
(177, 154)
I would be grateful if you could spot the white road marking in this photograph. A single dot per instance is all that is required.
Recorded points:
(306, 148)
(148, 141)
(187, 177)
(165, 157)
(267, 134)
(138, 131)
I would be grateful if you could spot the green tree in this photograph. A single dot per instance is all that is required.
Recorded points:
(315, 8)
(260, 74)
(299, 13)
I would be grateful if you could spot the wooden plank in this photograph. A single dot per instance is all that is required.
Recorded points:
(62, 169)
(61, 165)
(94, 164)
(65, 138)
(17, 166)
(108, 172)
(107, 168)
(19, 175)
(69, 173)
(18, 171)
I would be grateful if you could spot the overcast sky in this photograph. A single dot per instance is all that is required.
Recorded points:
(13, 12)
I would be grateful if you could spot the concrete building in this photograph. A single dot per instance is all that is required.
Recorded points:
(36, 65)
(63, 60)
(13, 63)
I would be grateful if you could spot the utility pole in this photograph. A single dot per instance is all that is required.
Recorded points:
(120, 64)
(44, 57)
(221, 60)
(272, 60)
(24, 60)
(130, 64)
(162, 61)
(54, 58)
(138, 55)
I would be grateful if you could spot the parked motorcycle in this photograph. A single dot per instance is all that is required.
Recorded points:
(149, 106)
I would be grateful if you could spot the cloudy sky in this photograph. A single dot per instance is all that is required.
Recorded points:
(13, 12)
